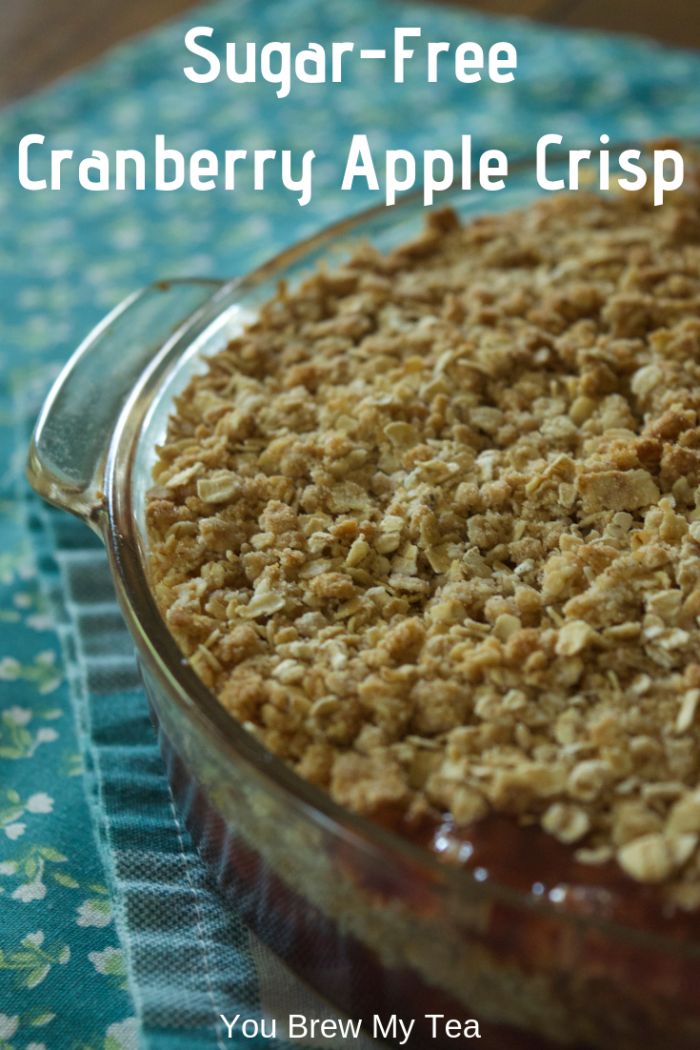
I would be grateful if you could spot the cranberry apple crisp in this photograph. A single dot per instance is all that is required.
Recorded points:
(430, 528)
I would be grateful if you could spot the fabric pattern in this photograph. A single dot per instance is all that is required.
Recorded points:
(111, 934)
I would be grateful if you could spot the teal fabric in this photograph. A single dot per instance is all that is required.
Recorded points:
(111, 935)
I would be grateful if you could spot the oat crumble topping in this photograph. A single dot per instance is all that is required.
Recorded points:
(430, 528)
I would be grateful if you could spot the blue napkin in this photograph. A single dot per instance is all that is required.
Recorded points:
(111, 934)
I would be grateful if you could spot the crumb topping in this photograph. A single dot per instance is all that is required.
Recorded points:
(430, 527)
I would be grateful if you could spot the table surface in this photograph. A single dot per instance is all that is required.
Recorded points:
(43, 39)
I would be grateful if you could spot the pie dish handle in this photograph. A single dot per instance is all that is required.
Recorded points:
(72, 434)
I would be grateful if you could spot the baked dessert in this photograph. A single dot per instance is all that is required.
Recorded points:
(429, 530)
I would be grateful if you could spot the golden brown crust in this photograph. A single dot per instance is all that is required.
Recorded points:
(429, 527)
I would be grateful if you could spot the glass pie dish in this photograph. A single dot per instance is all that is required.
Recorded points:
(541, 949)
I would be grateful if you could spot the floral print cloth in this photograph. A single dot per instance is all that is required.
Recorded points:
(111, 936)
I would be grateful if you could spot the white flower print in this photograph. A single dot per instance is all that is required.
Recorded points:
(18, 716)
(110, 963)
(42, 673)
(14, 828)
(36, 938)
(94, 912)
(125, 1034)
(39, 618)
(8, 1026)
(107, 961)
(45, 736)
(39, 803)
(17, 738)
(10, 669)
(34, 861)
(30, 891)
